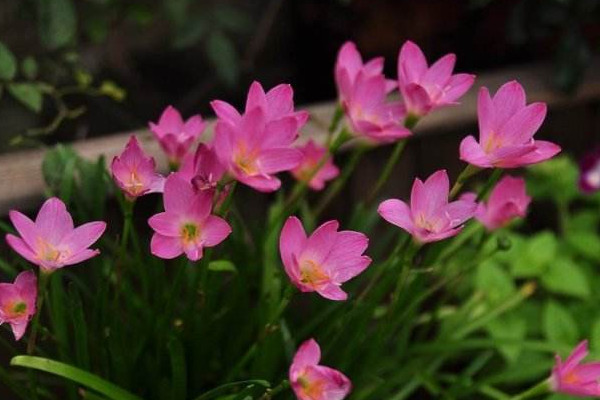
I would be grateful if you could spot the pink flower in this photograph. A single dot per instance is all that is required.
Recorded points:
(506, 129)
(312, 155)
(589, 172)
(186, 225)
(135, 172)
(507, 201)
(426, 88)
(348, 66)
(323, 261)
(52, 241)
(176, 136)
(258, 144)
(202, 169)
(575, 379)
(430, 217)
(311, 381)
(276, 104)
(18, 302)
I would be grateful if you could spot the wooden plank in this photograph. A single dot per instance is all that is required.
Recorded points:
(21, 182)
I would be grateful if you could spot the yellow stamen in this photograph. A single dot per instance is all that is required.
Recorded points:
(312, 274)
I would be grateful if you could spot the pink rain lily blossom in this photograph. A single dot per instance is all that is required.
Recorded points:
(254, 147)
(135, 172)
(322, 262)
(350, 64)
(52, 241)
(576, 379)
(507, 201)
(311, 381)
(186, 225)
(506, 129)
(312, 156)
(202, 168)
(175, 135)
(589, 172)
(430, 217)
(276, 104)
(425, 88)
(18, 302)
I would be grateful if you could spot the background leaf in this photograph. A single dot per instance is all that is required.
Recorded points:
(8, 64)
(57, 22)
(222, 54)
(29, 94)
(559, 325)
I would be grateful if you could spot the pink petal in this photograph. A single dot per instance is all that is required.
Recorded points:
(471, 152)
(79, 257)
(53, 220)
(26, 282)
(214, 230)
(321, 242)
(412, 64)
(576, 356)
(200, 205)
(83, 236)
(194, 126)
(279, 159)
(430, 237)
(349, 270)
(178, 195)
(308, 353)
(396, 212)
(262, 183)
(485, 114)
(256, 97)
(430, 196)
(280, 100)
(166, 224)
(521, 127)
(347, 249)
(19, 328)
(440, 71)
(338, 385)
(508, 100)
(349, 61)
(291, 242)
(165, 247)
(369, 91)
(332, 292)
(226, 111)
(194, 252)
(19, 245)
(25, 227)
(170, 121)
(542, 151)
(511, 156)
(460, 211)
(280, 133)
(417, 99)
(458, 85)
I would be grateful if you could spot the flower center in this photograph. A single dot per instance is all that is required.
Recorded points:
(313, 389)
(246, 160)
(571, 378)
(493, 142)
(190, 232)
(48, 252)
(312, 274)
(14, 309)
(19, 308)
(134, 185)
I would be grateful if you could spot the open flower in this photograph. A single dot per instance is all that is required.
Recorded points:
(276, 104)
(430, 216)
(311, 381)
(576, 379)
(426, 88)
(323, 261)
(254, 148)
(52, 241)
(312, 156)
(18, 302)
(176, 136)
(202, 168)
(135, 172)
(507, 201)
(186, 225)
(506, 129)
(589, 172)
(349, 64)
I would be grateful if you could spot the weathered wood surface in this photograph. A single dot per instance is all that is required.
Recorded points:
(21, 182)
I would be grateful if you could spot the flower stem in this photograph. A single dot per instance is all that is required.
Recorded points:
(491, 182)
(387, 170)
(467, 173)
(284, 385)
(42, 284)
(540, 389)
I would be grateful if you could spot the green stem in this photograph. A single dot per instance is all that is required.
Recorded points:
(387, 170)
(467, 173)
(339, 183)
(284, 385)
(491, 182)
(42, 284)
(338, 114)
(540, 389)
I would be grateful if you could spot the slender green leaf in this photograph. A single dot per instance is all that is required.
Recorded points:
(29, 94)
(74, 374)
(178, 369)
(211, 394)
(222, 266)
(8, 64)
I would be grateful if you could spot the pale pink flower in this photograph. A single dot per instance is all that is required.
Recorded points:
(348, 66)
(507, 201)
(589, 172)
(576, 379)
(135, 172)
(254, 146)
(18, 302)
(506, 129)
(52, 241)
(311, 381)
(175, 135)
(275, 104)
(426, 88)
(186, 225)
(202, 168)
(430, 217)
(322, 262)
(312, 156)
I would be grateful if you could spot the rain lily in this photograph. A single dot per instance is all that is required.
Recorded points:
(135, 172)
(429, 217)
(203, 168)
(52, 241)
(186, 225)
(18, 302)
(258, 144)
(426, 88)
(575, 379)
(311, 381)
(506, 129)
(175, 135)
(322, 262)
(507, 201)
(589, 172)
(312, 156)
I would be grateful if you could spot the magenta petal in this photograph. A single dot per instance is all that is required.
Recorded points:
(508, 100)
(226, 111)
(320, 243)
(308, 353)
(417, 99)
(279, 159)
(291, 242)
(19, 245)
(53, 221)
(349, 270)
(179, 194)
(19, 328)
(412, 64)
(80, 256)
(166, 224)
(332, 292)
(262, 183)
(440, 71)
(485, 114)
(165, 247)
(83, 236)
(543, 150)
(577, 355)
(194, 126)
(214, 230)
(460, 211)
(256, 97)
(471, 152)
(193, 253)
(25, 227)
(428, 197)
(458, 85)
(281, 100)
(396, 212)
(523, 124)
